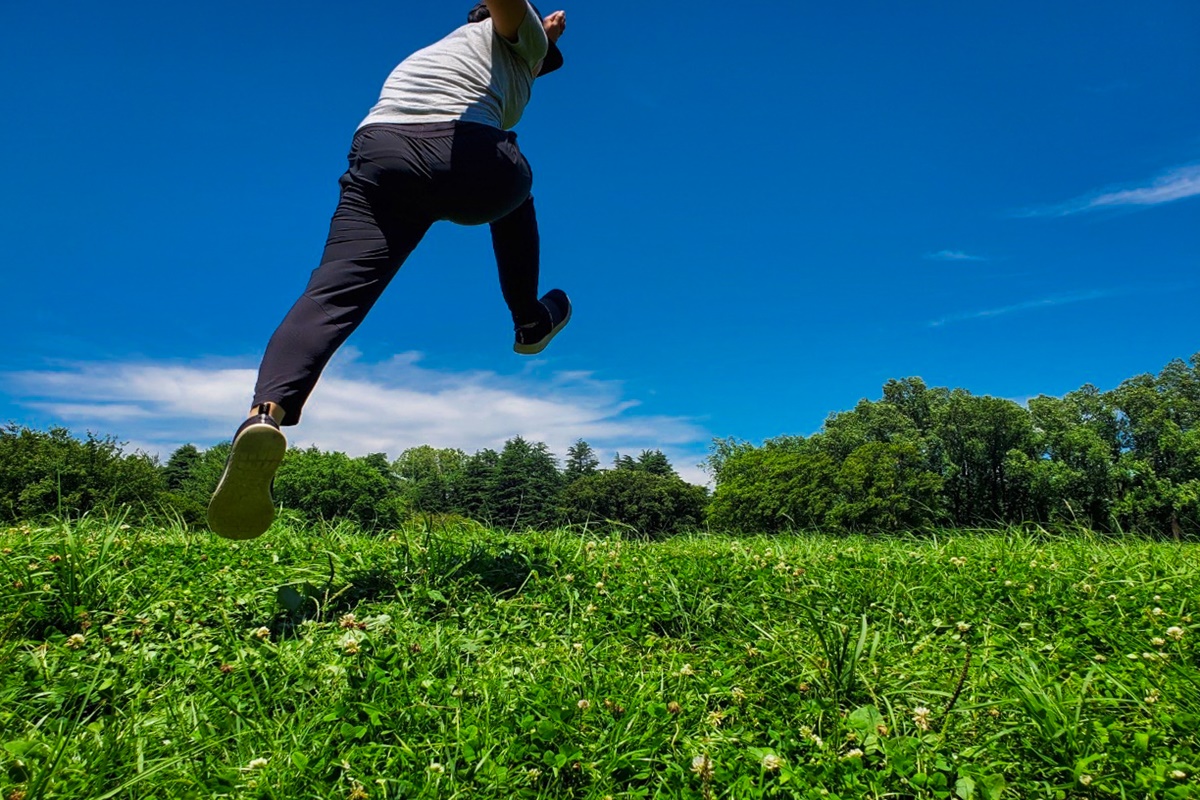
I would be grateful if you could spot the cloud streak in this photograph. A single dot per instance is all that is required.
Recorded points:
(361, 408)
(953, 255)
(1027, 305)
(1178, 183)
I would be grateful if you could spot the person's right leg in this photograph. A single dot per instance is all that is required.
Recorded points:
(370, 236)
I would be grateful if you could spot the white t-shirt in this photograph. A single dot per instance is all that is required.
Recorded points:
(474, 74)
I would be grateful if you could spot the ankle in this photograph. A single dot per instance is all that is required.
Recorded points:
(272, 409)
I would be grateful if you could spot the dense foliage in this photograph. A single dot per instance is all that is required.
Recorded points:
(917, 458)
(1123, 460)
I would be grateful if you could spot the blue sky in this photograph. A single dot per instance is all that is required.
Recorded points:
(761, 216)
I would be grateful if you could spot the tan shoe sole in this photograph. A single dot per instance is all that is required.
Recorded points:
(242, 507)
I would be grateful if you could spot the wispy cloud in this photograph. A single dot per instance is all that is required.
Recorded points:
(953, 255)
(1178, 183)
(361, 408)
(1027, 305)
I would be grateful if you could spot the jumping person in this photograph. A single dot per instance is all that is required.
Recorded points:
(437, 146)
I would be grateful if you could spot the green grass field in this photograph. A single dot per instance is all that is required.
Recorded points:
(455, 662)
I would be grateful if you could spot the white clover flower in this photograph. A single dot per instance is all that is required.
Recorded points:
(855, 753)
(921, 717)
(1175, 632)
(263, 633)
(703, 766)
(577, 647)
(76, 641)
(958, 561)
(1152, 698)
(686, 670)
(1158, 612)
(436, 768)
(772, 762)
(584, 704)
(350, 645)
(963, 627)
(1158, 641)
(1086, 780)
(1178, 774)
(257, 763)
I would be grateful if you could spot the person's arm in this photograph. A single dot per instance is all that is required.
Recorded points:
(507, 16)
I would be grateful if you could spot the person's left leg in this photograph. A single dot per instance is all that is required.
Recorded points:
(517, 246)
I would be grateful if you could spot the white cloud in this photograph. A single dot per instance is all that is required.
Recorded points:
(1178, 183)
(953, 255)
(1027, 305)
(361, 408)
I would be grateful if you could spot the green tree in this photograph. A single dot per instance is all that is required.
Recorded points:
(653, 505)
(52, 472)
(787, 484)
(331, 486)
(654, 462)
(975, 436)
(526, 488)
(885, 486)
(180, 465)
(474, 492)
(581, 461)
(428, 476)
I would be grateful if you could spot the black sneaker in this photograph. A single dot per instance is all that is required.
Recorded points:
(532, 337)
(242, 507)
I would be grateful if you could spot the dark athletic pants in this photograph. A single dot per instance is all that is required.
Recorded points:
(402, 179)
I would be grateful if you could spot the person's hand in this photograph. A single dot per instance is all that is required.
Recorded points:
(555, 25)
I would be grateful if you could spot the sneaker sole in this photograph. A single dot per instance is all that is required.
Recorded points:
(241, 507)
(534, 349)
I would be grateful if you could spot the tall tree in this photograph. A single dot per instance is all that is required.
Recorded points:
(527, 484)
(654, 462)
(581, 461)
(180, 465)
(474, 491)
(427, 477)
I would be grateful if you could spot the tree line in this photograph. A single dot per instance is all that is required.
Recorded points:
(1125, 460)
(920, 457)
(520, 486)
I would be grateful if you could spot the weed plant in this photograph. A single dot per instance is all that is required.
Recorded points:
(456, 662)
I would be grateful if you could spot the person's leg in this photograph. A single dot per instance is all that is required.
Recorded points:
(518, 251)
(369, 238)
(373, 230)
(490, 181)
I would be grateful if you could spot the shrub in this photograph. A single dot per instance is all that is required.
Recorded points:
(654, 505)
(52, 472)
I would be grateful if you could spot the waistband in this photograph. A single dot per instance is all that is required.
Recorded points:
(430, 130)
